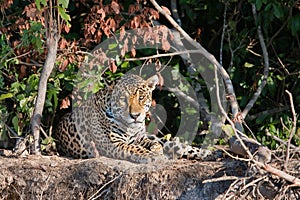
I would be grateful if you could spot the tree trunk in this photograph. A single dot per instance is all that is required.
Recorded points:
(52, 43)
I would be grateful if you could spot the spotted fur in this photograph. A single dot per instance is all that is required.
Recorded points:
(111, 124)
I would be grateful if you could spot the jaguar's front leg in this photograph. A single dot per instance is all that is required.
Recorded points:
(133, 151)
(151, 143)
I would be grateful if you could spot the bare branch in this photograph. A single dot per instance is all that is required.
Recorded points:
(278, 139)
(268, 112)
(223, 33)
(292, 131)
(266, 68)
(229, 120)
(204, 52)
(163, 55)
(281, 174)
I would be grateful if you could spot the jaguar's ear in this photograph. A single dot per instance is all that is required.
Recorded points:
(152, 81)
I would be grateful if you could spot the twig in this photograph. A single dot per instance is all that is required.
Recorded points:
(292, 131)
(278, 139)
(106, 184)
(231, 187)
(234, 157)
(163, 55)
(232, 51)
(223, 178)
(178, 92)
(223, 33)
(253, 182)
(52, 44)
(283, 125)
(266, 63)
(228, 119)
(84, 52)
(95, 150)
(19, 56)
(268, 112)
(30, 64)
(280, 61)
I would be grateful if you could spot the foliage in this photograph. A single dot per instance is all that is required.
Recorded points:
(87, 23)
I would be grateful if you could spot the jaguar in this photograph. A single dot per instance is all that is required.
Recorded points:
(111, 123)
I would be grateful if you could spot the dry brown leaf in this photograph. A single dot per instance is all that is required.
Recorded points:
(166, 10)
(65, 103)
(115, 6)
(113, 67)
(133, 52)
(135, 23)
(64, 65)
(165, 45)
(112, 24)
(22, 72)
(122, 32)
(160, 81)
(67, 28)
(63, 43)
(131, 9)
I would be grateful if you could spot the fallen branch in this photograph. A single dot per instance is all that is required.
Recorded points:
(295, 181)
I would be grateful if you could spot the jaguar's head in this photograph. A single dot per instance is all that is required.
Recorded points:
(131, 98)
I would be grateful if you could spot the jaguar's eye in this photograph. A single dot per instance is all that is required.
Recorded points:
(141, 98)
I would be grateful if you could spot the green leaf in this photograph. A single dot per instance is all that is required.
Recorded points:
(64, 3)
(277, 11)
(272, 128)
(168, 136)
(60, 76)
(268, 7)
(125, 65)
(38, 4)
(248, 65)
(232, 24)
(63, 14)
(279, 77)
(295, 24)
(260, 119)
(228, 129)
(272, 87)
(6, 96)
(258, 4)
(112, 46)
(15, 122)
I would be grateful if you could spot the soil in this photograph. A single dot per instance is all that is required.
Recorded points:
(53, 177)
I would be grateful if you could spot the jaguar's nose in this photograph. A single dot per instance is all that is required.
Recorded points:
(134, 115)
